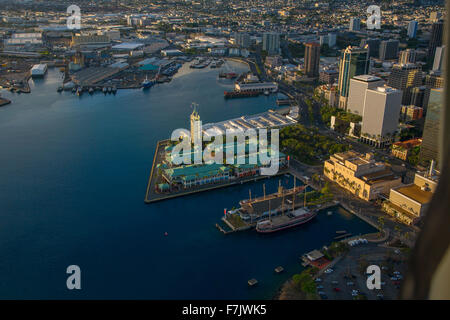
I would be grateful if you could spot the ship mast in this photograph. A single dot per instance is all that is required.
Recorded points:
(304, 200)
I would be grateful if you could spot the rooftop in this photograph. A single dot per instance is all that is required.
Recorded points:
(416, 193)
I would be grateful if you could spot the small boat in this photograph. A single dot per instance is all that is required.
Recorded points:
(266, 92)
(109, 90)
(252, 282)
(91, 90)
(79, 91)
(105, 90)
(147, 83)
(329, 213)
(279, 269)
(74, 90)
(60, 89)
(114, 89)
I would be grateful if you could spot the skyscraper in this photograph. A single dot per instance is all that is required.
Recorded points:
(271, 42)
(381, 114)
(242, 39)
(431, 135)
(412, 29)
(355, 24)
(405, 77)
(389, 49)
(357, 91)
(374, 46)
(407, 56)
(354, 62)
(312, 58)
(438, 58)
(436, 38)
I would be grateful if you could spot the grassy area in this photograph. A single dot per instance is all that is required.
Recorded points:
(307, 145)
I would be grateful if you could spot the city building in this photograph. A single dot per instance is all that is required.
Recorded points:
(436, 38)
(412, 29)
(328, 76)
(360, 174)
(381, 115)
(388, 49)
(242, 39)
(431, 135)
(418, 96)
(438, 58)
(408, 203)
(407, 56)
(405, 77)
(357, 91)
(374, 46)
(355, 24)
(402, 149)
(92, 41)
(271, 42)
(354, 62)
(312, 59)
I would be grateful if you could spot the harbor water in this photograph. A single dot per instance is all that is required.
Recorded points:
(73, 176)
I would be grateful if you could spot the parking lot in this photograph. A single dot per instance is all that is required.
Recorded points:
(348, 279)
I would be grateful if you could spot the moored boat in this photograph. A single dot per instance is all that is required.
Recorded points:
(290, 220)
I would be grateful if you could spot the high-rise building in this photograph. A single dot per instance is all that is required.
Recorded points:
(412, 29)
(357, 91)
(381, 114)
(405, 77)
(433, 80)
(354, 62)
(389, 49)
(436, 38)
(242, 39)
(438, 58)
(431, 131)
(374, 46)
(312, 58)
(332, 40)
(355, 24)
(196, 127)
(418, 96)
(271, 42)
(407, 56)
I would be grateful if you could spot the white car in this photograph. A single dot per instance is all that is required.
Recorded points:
(396, 272)
(318, 280)
(328, 271)
(350, 283)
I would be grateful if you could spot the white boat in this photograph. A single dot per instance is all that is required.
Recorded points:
(39, 70)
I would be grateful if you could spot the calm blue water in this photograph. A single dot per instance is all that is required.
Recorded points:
(73, 175)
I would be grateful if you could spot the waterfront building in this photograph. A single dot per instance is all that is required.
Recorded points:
(360, 174)
(271, 43)
(402, 149)
(407, 56)
(381, 115)
(438, 58)
(388, 49)
(355, 24)
(256, 86)
(436, 38)
(431, 131)
(312, 59)
(405, 77)
(354, 62)
(357, 91)
(408, 203)
(412, 29)
(374, 46)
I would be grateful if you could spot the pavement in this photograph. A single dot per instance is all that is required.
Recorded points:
(349, 274)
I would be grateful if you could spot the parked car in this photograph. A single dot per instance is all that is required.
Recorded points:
(321, 293)
(334, 282)
(319, 287)
(318, 280)
(337, 289)
(350, 283)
